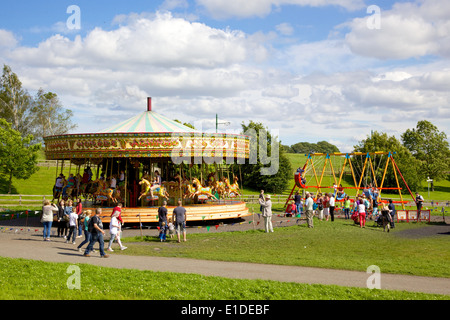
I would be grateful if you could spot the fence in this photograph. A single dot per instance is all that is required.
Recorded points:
(13, 200)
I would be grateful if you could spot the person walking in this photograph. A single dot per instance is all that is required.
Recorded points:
(47, 218)
(266, 206)
(309, 202)
(79, 211)
(73, 226)
(162, 220)
(96, 230)
(85, 226)
(114, 231)
(179, 216)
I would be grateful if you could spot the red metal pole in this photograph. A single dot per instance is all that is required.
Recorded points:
(414, 199)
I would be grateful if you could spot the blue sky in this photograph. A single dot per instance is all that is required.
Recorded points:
(310, 69)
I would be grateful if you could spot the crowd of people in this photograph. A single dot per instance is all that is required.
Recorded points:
(72, 221)
(366, 206)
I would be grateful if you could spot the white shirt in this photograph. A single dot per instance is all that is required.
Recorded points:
(73, 217)
(114, 226)
(361, 208)
(331, 201)
(113, 183)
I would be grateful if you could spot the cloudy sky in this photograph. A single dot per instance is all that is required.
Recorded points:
(314, 70)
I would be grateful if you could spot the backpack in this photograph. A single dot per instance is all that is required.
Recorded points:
(91, 224)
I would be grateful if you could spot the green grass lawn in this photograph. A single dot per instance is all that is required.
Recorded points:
(48, 281)
(336, 245)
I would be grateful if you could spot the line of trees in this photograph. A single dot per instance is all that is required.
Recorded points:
(24, 122)
(307, 147)
(423, 152)
(41, 115)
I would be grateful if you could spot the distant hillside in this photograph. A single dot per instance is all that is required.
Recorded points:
(307, 147)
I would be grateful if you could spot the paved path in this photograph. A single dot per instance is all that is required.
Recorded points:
(29, 245)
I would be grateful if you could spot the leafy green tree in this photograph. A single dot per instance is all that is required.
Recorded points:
(429, 146)
(255, 174)
(326, 147)
(49, 117)
(44, 115)
(15, 102)
(319, 147)
(405, 161)
(18, 158)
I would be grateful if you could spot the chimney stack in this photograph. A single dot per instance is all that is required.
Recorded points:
(149, 104)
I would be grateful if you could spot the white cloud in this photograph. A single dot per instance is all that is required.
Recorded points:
(408, 30)
(284, 29)
(7, 39)
(309, 91)
(163, 41)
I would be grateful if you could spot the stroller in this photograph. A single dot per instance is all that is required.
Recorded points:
(355, 217)
(384, 220)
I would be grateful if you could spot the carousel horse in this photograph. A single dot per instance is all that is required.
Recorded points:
(232, 189)
(88, 189)
(103, 190)
(200, 190)
(148, 189)
(219, 187)
(211, 180)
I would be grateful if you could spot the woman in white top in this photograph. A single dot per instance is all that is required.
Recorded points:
(114, 230)
(47, 218)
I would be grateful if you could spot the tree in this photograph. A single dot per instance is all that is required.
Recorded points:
(430, 147)
(405, 161)
(49, 117)
(41, 116)
(17, 157)
(258, 175)
(15, 102)
(319, 147)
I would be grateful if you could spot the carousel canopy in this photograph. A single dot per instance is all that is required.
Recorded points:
(148, 134)
(149, 122)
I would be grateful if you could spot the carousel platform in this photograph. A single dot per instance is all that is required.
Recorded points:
(225, 209)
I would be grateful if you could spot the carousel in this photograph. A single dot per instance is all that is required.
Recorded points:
(146, 160)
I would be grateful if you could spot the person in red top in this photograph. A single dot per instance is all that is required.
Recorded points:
(119, 209)
(79, 211)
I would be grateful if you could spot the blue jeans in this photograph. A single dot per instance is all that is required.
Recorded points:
(47, 228)
(87, 239)
(299, 209)
(347, 213)
(72, 233)
(96, 236)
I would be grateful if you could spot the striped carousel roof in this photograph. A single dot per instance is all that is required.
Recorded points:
(148, 121)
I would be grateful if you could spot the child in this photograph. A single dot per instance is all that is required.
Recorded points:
(73, 226)
(114, 230)
(171, 228)
(162, 232)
